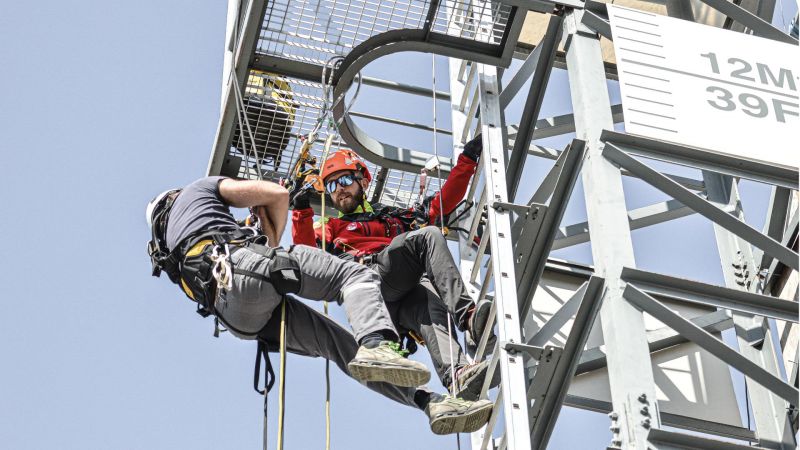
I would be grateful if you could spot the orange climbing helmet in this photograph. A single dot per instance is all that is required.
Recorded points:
(344, 160)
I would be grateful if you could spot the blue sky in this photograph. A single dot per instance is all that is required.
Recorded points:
(104, 105)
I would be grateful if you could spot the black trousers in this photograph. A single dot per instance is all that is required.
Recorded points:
(420, 284)
(424, 313)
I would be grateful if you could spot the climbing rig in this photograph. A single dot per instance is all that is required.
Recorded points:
(552, 350)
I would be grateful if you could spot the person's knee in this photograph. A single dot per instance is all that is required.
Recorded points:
(432, 235)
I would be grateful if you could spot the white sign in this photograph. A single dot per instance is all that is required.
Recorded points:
(707, 87)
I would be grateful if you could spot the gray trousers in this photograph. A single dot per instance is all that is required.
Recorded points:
(310, 333)
(248, 305)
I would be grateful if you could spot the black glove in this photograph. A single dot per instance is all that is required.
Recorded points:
(473, 148)
(300, 196)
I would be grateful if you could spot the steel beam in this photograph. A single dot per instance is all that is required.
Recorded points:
(706, 294)
(638, 218)
(777, 215)
(710, 343)
(533, 102)
(629, 370)
(736, 255)
(546, 407)
(660, 339)
(703, 159)
(253, 17)
(512, 372)
(759, 26)
(672, 420)
(703, 207)
(670, 440)
(532, 251)
(558, 125)
(559, 318)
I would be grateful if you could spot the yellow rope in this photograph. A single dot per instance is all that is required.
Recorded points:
(325, 308)
(282, 382)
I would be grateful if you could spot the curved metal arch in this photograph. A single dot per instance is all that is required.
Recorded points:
(395, 41)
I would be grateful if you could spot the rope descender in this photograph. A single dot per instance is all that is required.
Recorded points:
(221, 270)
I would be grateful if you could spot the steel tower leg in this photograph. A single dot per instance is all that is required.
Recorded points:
(629, 368)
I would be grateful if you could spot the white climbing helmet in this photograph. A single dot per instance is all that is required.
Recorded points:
(155, 203)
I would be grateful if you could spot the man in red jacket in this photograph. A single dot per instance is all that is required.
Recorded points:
(420, 281)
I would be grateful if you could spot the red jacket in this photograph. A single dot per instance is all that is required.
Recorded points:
(367, 236)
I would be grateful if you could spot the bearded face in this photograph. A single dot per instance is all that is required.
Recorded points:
(347, 198)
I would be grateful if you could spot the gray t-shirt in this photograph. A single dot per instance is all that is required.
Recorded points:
(198, 207)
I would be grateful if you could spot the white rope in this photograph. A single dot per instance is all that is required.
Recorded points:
(453, 375)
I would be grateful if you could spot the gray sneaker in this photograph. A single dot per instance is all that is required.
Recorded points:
(477, 325)
(387, 363)
(469, 380)
(455, 415)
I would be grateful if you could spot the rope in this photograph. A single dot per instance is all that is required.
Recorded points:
(282, 381)
(453, 377)
(325, 308)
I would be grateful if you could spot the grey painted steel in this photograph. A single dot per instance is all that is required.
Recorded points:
(597, 23)
(533, 103)
(545, 410)
(777, 216)
(520, 78)
(512, 372)
(660, 339)
(254, 16)
(759, 26)
(548, 184)
(710, 343)
(558, 125)
(559, 318)
(789, 238)
(703, 159)
(629, 371)
(670, 440)
(402, 123)
(402, 87)
(702, 206)
(289, 67)
(672, 420)
(769, 411)
(638, 218)
(381, 153)
(707, 294)
(532, 250)
(544, 6)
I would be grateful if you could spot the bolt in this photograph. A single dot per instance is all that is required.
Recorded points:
(646, 424)
(616, 443)
(613, 415)
(643, 398)
(645, 411)
(614, 429)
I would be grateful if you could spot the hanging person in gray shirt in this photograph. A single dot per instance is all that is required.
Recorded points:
(241, 278)
(231, 273)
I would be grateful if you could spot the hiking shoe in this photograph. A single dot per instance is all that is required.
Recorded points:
(470, 378)
(388, 363)
(455, 415)
(477, 324)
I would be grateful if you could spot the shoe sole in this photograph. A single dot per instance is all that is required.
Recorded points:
(388, 373)
(472, 389)
(461, 423)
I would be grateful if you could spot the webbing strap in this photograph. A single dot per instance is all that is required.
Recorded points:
(262, 351)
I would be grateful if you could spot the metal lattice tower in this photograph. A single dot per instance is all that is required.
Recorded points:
(569, 335)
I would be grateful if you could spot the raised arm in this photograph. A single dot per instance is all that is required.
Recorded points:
(254, 193)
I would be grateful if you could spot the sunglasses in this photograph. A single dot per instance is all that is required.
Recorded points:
(344, 181)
